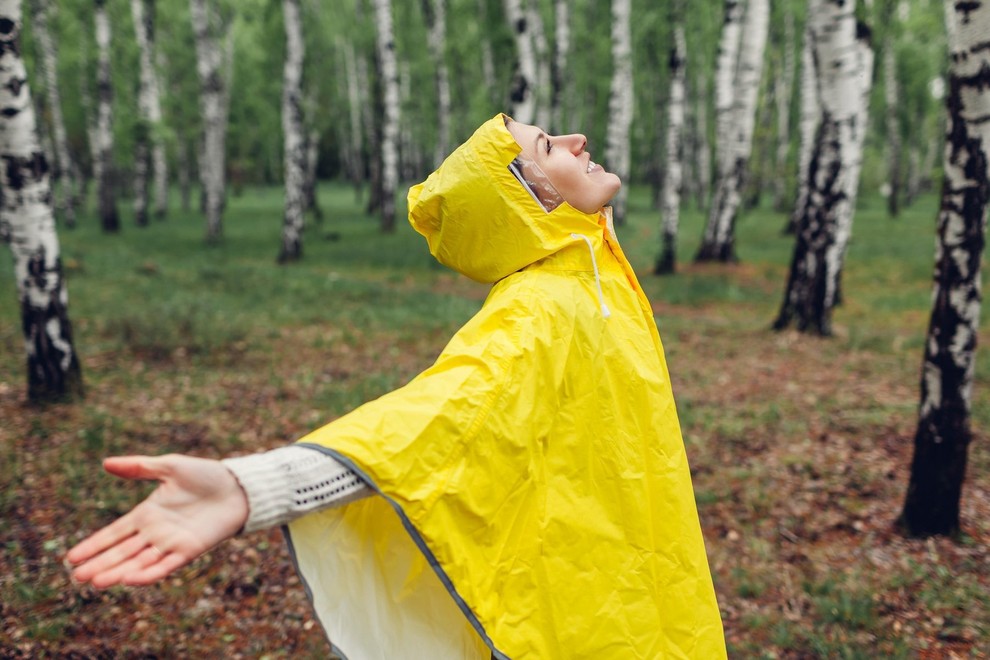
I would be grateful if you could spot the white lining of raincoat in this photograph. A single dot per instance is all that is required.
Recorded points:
(417, 539)
(598, 279)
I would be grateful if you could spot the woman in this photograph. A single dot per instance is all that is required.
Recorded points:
(531, 498)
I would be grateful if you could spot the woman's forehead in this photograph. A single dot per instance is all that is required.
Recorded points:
(526, 135)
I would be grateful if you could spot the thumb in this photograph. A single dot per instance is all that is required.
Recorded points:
(138, 467)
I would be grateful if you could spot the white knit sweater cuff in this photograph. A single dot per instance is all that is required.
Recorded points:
(286, 483)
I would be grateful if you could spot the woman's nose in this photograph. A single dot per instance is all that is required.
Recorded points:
(574, 142)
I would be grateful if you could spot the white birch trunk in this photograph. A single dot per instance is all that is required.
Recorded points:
(942, 439)
(725, 82)
(562, 46)
(435, 12)
(27, 225)
(854, 156)
(66, 171)
(891, 96)
(670, 208)
(109, 219)
(812, 288)
(620, 104)
(810, 117)
(522, 99)
(784, 86)
(292, 134)
(210, 60)
(385, 41)
(151, 148)
(719, 239)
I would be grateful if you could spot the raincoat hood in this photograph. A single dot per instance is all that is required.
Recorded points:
(478, 218)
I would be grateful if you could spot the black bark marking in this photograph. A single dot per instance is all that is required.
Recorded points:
(15, 85)
(521, 25)
(967, 8)
(520, 87)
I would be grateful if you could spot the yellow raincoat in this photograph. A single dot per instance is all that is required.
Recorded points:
(536, 499)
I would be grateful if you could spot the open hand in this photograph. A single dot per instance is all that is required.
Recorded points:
(198, 504)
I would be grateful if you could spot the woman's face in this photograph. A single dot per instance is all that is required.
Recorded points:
(582, 183)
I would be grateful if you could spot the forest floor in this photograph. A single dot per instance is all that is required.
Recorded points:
(799, 446)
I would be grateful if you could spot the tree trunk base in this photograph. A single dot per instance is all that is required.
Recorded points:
(724, 253)
(666, 263)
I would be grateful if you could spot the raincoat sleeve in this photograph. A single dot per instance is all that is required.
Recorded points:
(420, 429)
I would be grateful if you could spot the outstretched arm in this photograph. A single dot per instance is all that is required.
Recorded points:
(198, 504)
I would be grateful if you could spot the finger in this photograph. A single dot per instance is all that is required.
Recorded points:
(137, 467)
(158, 570)
(118, 574)
(102, 539)
(110, 558)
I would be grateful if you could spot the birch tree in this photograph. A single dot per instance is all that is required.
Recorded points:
(826, 218)
(725, 76)
(941, 441)
(891, 118)
(718, 242)
(385, 41)
(864, 75)
(209, 30)
(522, 99)
(27, 225)
(149, 154)
(620, 103)
(294, 143)
(670, 208)
(807, 125)
(65, 170)
(435, 12)
(106, 195)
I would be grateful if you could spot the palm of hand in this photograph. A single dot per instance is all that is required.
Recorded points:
(197, 504)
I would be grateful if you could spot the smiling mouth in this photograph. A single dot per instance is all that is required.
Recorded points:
(591, 166)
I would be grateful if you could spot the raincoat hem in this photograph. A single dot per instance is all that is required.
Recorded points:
(417, 539)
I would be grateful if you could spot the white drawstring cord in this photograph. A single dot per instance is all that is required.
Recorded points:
(598, 280)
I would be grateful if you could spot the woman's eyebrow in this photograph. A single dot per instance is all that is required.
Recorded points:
(541, 136)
